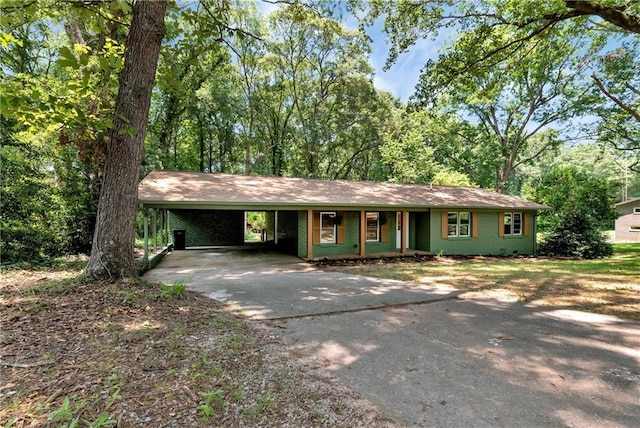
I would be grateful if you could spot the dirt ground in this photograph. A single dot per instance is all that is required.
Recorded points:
(80, 353)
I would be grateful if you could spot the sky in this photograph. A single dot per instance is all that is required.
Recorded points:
(403, 75)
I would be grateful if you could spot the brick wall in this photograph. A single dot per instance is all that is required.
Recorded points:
(288, 231)
(351, 245)
(206, 227)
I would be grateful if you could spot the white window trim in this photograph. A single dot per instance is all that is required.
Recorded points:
(335, 232)
(636, 210)
(377, 227)
(458, 224)
(512, 215)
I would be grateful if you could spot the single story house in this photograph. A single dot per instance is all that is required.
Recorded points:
(317, 219)
(628, 221)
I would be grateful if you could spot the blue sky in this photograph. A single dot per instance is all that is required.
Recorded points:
(403, 75)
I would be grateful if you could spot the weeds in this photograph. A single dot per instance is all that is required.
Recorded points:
(177, 290)
(211, 399)
(265, 401)
(147, 350)
(68, 415)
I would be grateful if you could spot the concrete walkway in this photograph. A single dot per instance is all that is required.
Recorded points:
(441, 358)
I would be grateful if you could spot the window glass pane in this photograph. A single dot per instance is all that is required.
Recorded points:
(517, 223)
(465, 222)
(328, 228)
(507, 223)
(452, 224)
(372, 226)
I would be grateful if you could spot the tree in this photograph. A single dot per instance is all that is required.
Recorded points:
(31, 226)
(595, 162)
(409, 151)
(59, 62)
(112, 248)
(567, 190)
(484, 23)
(191, 54)
(576, 235)
(407, 21)
(328, 74)
(514, 103)
(617, 75)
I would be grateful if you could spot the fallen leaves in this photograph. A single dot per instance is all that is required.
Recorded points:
(122, 354)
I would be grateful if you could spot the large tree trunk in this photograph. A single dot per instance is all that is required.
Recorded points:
(114, 236)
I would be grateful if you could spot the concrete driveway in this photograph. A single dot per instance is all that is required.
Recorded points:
(443, 359)
(265, 285)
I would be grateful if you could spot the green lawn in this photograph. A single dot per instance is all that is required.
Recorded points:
(608, 286)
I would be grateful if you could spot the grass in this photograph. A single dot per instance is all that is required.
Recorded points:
(608, 286)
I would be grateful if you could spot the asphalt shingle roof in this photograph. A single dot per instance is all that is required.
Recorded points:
(193, 189)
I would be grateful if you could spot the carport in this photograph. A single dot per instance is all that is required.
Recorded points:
(208, 210)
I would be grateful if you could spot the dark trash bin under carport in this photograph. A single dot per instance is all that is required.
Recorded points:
(179, 239)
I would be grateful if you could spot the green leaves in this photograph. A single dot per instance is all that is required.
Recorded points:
(567, 190)
(67, 58)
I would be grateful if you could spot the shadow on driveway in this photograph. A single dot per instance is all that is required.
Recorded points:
(482, 362)
(431, 356)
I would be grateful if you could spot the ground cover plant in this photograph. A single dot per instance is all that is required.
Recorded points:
(608, 286)
(75, 352)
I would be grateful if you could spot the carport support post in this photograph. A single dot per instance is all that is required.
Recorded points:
(363, 233)
(166, 225)
(146, 235)
(275, 228)
(309, 234)
(404, 217)
(154, 232)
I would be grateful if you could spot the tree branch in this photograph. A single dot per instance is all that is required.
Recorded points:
(615, 15)
(623, 106)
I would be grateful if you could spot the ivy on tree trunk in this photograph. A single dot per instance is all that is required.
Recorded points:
(114, 236)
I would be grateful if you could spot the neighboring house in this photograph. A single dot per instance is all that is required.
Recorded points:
(314, 219)
(628, 222)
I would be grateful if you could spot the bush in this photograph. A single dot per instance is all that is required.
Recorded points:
(576, 235)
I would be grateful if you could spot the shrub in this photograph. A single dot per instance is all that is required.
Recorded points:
(576, 235)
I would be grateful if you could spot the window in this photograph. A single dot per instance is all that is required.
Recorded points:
(636, 210)
(373, 227)
(513, 223)
(327, 228)
(459, 224)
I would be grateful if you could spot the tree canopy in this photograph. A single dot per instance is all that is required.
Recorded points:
(493, 35)
(293, 94)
